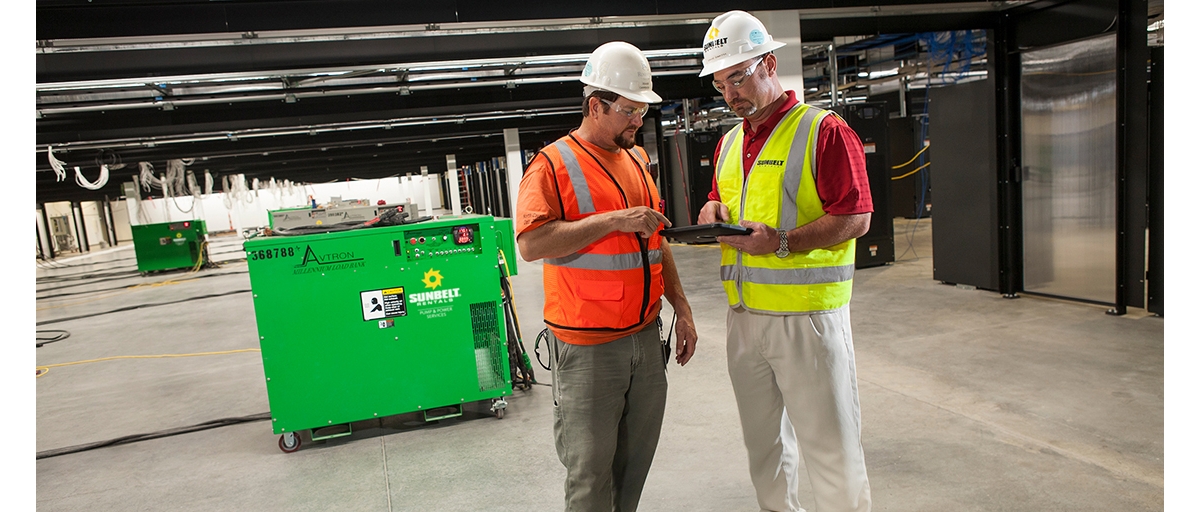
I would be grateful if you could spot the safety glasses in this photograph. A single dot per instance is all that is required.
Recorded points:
(629, 112)
(736, 83)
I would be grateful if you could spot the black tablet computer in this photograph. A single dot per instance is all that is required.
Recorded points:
(703, 232)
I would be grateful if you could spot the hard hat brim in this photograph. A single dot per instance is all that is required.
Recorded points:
(733, 60)
(642, 97)
(639, 96)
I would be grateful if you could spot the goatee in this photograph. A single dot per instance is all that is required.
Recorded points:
(622, 142)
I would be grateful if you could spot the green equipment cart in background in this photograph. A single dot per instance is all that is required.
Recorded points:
(379, 321)
(169, 245)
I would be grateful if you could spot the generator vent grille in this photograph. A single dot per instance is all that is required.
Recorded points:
(485, 326)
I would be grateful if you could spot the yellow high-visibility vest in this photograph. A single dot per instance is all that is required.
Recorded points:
(781, 192)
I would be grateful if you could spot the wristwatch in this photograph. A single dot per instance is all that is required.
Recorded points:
(782, 251)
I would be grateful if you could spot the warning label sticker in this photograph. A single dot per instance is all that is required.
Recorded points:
(385, 303)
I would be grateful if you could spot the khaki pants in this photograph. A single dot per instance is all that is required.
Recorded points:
(608, 411)
(802, 365)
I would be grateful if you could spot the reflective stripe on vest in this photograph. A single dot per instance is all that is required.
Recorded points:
(795, 167)
(579, 183)
(819, 275)
(593, 261)
(780, 191)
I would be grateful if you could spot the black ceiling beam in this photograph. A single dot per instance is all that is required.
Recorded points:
(88, 65)
(335, 109)
(827, 29)
(67, 19)
(229, 117)
(284, 146)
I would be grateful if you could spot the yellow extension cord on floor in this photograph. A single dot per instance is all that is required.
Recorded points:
(44, 369)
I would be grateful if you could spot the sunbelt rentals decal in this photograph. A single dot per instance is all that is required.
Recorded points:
(437, 295)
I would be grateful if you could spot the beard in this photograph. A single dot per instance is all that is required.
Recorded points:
(746, 109)
(624, 141)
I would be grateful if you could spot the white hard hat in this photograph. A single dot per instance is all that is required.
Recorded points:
(620, 67)
(733, 38)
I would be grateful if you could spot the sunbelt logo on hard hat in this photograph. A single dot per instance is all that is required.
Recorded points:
(715, 43)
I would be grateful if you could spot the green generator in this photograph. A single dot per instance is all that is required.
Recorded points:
(169, 245)
(367, 323)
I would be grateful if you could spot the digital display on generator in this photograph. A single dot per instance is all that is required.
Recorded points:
(463, 235)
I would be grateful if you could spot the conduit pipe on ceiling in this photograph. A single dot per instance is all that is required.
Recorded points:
(309, 130)
(174, 102)
(366, 33)
(413, 67)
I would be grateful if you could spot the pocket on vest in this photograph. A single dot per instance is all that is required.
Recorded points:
(601, 290)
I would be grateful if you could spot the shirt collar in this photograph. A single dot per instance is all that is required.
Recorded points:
(770, 123)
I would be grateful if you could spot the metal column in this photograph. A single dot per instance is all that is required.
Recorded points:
(516, 166)
(833, 76)
(452, 185)
(425, 188)
(109, 221)
(784, 26)
(80, 229)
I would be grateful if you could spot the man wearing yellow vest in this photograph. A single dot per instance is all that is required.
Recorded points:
(796, 175)
(589, 209)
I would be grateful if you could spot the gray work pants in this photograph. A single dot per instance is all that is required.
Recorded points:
(608, 411)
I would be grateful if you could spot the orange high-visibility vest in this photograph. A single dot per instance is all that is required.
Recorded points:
(614, 284)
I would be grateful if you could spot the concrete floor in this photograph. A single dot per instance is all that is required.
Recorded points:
(970, 402)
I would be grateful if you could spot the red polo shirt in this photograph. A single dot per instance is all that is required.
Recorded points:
(841, 164)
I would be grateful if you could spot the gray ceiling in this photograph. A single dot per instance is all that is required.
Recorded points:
(323, 90)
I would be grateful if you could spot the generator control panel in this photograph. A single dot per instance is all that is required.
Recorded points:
(439, 242)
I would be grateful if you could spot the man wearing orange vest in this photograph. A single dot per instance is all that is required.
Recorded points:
(589, 209)
(796, 175)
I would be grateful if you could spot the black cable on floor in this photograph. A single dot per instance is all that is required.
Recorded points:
(154, 435)
(101, 290)
(44, 337)
(72, 265)
(139, 306)
(84, 275)
(84, 283)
